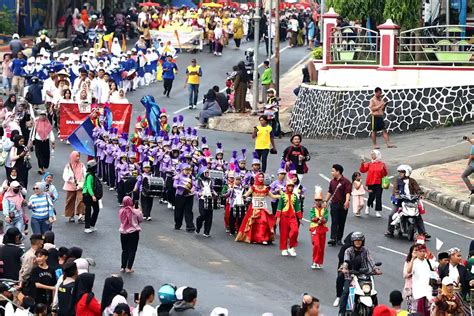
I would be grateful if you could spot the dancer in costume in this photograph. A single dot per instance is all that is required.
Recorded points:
(288, 214)
(319, 217)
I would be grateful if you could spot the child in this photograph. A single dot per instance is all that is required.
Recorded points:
(318, 228)
(272, 110)
(358, 192)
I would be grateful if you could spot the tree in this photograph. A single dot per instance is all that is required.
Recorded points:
(359, 10)
(7, 25)
(405, 13)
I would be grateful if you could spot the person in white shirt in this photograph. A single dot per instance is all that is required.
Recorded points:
(120, 98)
(49, 88)
(421, 269)
(293, 28)
(144, 308)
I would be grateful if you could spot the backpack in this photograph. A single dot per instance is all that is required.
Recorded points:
(66, 299)
(97, 187)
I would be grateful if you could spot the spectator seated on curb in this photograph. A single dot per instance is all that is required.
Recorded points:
(210, 108)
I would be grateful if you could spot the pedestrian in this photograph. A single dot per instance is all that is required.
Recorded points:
(193, 79)
(240, 86)
(266, 80)
(338, 199)
(42, 210)
(73, 176)
(221, 99)
(10, 102)
(12, 206)
(112, 295)
(16, 45)
(19, 154)
(358, 194)
(64, 296)
(85, 301)
(42, 279)
(376, 170)
(238, 30)
(319, 217)
(272, 111)
(170, 70)
(396, 300)
(11, 254)
(144, 308)
(210, 108)
(287, 216)
(122, 310)
(470, 166)
(264, 141)
(18, 81)
(421, 270)
(377, 111)
(278, 186)
(408, 287)
(310, 306)
(447, 302)
(50, 188)
(145, 200)
(186, 306)
(130, 219)
(7, 74)
(297, 155)
(91, 193)
(43, 139)
(457, 272)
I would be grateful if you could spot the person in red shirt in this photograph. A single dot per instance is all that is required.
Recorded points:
(376, 170)
(86, 303)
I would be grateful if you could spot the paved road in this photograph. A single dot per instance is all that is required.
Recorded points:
(249, 279)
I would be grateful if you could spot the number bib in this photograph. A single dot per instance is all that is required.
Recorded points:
(259, 202)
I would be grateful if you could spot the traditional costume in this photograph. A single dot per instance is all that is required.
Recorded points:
(288, 213)
(318, 228)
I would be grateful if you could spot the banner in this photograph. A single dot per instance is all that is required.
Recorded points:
(179, 38)
(72, 115)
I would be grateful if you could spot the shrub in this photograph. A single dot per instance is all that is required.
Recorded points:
(7, 25)
(317, 53)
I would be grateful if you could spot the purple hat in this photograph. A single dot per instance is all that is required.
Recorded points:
(194, 134)
(243, 157)
(203, 167)
(204, 143)
(219, 149)
(234, 156)
(255, 160)
(175, 122)
(189, 133)
(175, 145)
(166, 140)
(282, 167)
(181, 121)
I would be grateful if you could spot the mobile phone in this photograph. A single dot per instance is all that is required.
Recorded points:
(136, 297)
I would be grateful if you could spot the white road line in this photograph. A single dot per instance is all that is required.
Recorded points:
(427, 223)
(222, 90)
(391, 250)
(62, 50)
(298, 64)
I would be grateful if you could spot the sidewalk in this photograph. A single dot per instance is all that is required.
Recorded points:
(244, 123)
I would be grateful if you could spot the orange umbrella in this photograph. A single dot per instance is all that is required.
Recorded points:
(149, 4)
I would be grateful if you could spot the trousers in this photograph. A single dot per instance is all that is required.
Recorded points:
(338, 221)
(375, 193)
(184, 209)
(92, 211)
(237, 214)
(465, 177)
(205, 217)
(146, 203)
(263, 155)
(39, 226)
(129, 244)
(168, 85)
(319, 243)
(193, 93)
(288, 232)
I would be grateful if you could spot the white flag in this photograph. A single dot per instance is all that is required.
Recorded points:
(439, 244)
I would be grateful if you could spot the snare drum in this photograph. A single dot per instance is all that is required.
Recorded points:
(153, 186)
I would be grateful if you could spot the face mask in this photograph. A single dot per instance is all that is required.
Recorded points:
(13, 177)
(16, 190)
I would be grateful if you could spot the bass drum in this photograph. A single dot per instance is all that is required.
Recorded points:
(129, 185)
(153, 186)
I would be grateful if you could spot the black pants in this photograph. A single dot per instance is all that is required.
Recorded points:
(338, 221)
(237, 42)
(170, 191)
(147, 204)
(92, 211)
(376, 195)
(167, 84)
(111, 174)
(43, 153)
(184, 208)
(266, 46)
(339, 284)
(237, 214)
(205, 216)
(274, 207)
(344, 296)
(105, 172)
(263, 155)
(120, 191)
(129, 248)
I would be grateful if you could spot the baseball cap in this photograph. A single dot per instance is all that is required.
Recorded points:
(179, 293)
(447, 281)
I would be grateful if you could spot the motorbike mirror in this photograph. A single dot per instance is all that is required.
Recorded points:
(378, 264)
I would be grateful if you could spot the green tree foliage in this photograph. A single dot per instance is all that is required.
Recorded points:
(406, 13)
(359, 9)
(7, 25)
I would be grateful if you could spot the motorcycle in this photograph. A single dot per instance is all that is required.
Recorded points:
(404, 219)
(79, 39)
(362, 292)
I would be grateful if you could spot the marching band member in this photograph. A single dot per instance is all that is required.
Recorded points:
(146, 201)
(185, 190)
(206, 194)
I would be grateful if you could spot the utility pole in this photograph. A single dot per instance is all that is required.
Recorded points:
(269, 31)
(255, 57)
(321, 24)
(277, 48)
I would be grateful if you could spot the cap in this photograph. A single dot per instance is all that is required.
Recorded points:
(383, 310)
(179, 293)
(318, 193)
(443, 255)
(15, 184)
(91, 163)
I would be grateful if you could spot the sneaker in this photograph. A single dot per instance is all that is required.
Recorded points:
(194, 106)
(367, 210)
(72, 219)
(190, 107)
(265, 243)
(206, 235)
(88, 231)
(427, 236)
(148, 218)
(93, 229)
(377, 214)
(314, 266)
(81, 220)
(339, 243)
(170, 205)
(336, 302)
(332, 242)
(319, 266)
(292, 252)
(111, 189)
(389, 234)
(284, 253)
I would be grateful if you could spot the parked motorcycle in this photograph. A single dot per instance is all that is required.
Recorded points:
(404, 219)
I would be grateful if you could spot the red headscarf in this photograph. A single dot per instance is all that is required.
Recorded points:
(257, 181)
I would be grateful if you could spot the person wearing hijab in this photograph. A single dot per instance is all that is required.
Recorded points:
(10, 103)
(116, 49)
(73, 176)
(24, 120)
(7, 145)
(240, 87)
(3, 113)
(120, 98)
(219, 37)
(130, 219)
(50, 188)
(376, 170)
(12, 205)
(43, 139)
(447, 302)
(10, 254)
(10, 178)
(19, 154)
(42, 210)
(111, 295)
(85, 301)
(210, 108)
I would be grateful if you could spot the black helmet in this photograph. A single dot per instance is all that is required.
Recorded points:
(357, 236)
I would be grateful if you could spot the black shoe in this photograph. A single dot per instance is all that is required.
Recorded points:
(177, 228)
(190, 107)
(331, 242)
(190, 230)
(339, 243)
(427, 236)
(389, 234)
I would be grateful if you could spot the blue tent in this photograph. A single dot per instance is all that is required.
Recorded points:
(180, 3)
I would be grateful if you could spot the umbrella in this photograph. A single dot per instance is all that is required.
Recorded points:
(149, 4)
(212, 5)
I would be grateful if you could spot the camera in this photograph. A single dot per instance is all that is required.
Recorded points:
(465, 138)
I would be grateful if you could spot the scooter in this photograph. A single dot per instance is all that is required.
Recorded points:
(404, 219)
(362, 292)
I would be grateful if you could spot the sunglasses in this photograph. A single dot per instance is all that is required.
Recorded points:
(35, 188)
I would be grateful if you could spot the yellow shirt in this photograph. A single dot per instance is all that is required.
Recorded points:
(262, 141)
(194, 79)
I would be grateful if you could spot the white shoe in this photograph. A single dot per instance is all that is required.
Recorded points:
(265, 243)
(88, 231)
(318, 266)
(314, 266)
(170, 205)
(93, 229)
(206, 235)
(377, 213)
(292, 252)
(111, 189)
(367, 210)
(148, 218)
(284, 253)
(336, 302)
(220, 54)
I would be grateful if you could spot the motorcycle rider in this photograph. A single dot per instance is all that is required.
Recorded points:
(356, 258)
(404, 185)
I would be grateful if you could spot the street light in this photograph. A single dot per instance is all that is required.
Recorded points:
(255, 58)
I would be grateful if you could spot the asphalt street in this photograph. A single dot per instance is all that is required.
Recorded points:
(248, 279)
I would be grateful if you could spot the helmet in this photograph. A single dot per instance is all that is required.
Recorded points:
(357, 236)
(405, 168)
(166, 293)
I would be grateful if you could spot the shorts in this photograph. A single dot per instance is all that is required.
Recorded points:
(377, 123)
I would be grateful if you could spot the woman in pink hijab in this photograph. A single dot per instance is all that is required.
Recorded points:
(12, 203)
(43, 139)
(73, 176)
(130, 219)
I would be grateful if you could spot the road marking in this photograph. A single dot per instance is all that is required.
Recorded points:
(432, 151)
(62, 50)
(427, 223)
(391, 250)
(448, 212)
(298, 64)
(222, 90)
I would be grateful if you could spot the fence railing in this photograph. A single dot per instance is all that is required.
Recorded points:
(354, 45)
(445, 45)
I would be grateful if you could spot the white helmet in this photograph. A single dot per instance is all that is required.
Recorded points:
(405, 168)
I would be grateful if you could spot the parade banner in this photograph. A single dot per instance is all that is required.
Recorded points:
(72, 115)
(179, 38)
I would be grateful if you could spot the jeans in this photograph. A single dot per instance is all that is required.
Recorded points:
(465, 177)
(17, 222)
(6, 83)
(263, 155)
(193, 93)
(39, 226)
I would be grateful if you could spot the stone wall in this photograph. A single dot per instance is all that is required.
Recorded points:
(330, 112)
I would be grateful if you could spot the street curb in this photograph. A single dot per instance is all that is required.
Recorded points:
(450, 203)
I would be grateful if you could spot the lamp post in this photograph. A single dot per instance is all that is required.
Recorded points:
(255, 57)
(277, 48)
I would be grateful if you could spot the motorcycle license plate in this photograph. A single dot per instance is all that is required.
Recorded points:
(259, 203)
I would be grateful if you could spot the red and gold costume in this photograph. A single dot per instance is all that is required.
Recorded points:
(318, 229)
(289, 212)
